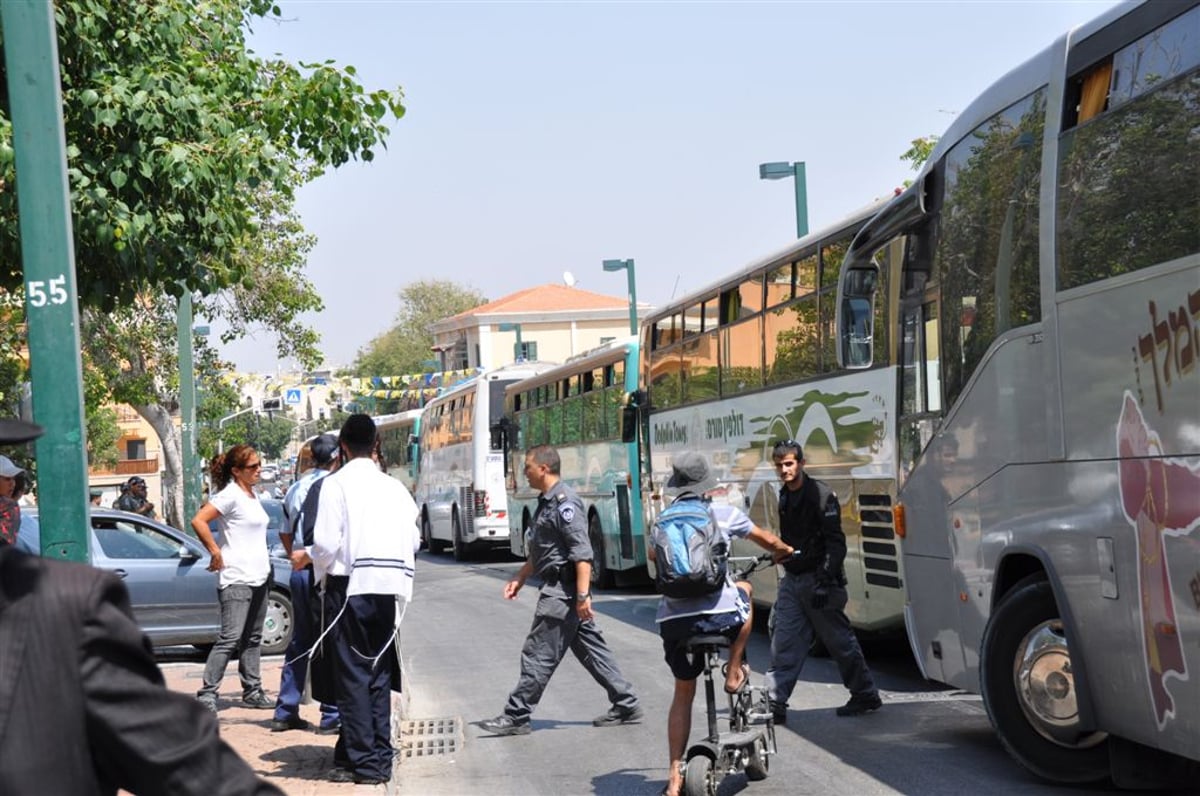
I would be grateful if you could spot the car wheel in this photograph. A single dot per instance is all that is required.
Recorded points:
(278, 624)
(602, 576)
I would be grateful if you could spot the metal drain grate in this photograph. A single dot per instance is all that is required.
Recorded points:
(421, 738)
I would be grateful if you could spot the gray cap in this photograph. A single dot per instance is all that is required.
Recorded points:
(690, 473)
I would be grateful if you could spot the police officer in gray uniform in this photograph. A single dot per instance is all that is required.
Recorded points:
(812, 592)
(559, 554)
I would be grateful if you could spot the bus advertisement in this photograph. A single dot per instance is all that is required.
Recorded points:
(732, 369)
(461, 474)
(577, 408)
(1048, 412)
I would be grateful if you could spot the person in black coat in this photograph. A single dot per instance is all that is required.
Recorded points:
(83, 707)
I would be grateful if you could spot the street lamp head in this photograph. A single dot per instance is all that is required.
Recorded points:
(508, 327)
(616, 265)
(775, 171)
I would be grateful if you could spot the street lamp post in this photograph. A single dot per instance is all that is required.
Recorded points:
(187, 404)
(221, 426)
(779, 171)
(518, 349)
(627, 266)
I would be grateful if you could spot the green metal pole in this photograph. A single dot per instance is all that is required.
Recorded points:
(51, 300)
(801, 199)
(187, 409)
(633, 327)
(520, 352)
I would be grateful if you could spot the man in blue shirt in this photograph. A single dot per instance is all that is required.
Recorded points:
(295, 668)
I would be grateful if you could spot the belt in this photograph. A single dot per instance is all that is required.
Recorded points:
(559, 574)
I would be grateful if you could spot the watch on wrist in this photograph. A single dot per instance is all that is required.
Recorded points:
(583, 596)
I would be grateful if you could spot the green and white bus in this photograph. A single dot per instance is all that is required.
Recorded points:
(398, 435)
(734, 368)
(1048, 415)
(577, 408)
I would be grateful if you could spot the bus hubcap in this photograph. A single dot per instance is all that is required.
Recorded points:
(1046, 686)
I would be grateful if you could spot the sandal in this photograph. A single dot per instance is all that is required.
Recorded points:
(742, 684)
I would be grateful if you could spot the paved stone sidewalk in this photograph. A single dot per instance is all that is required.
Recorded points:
(296, 761)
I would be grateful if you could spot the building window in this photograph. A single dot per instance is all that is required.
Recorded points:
(135, 449)
(527, 351)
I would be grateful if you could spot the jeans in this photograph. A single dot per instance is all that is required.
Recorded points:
(295, 667)
(243, 611)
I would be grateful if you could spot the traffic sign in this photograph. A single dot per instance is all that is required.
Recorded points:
(293, 396)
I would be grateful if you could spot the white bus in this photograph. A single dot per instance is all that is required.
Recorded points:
(577, 408)
(398, 445)
(460, 479)
(736, 367)
(1049, 408)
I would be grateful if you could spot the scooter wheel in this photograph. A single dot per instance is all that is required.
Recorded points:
(759, 764)
(698, 779)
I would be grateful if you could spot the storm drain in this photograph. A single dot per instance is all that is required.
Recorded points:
(421, 738)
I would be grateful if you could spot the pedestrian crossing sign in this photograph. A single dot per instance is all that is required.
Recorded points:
(292, 396)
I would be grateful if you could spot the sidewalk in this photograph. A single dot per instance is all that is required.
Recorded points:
(296, 761)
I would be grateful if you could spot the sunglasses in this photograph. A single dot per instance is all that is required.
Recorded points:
(254, 466)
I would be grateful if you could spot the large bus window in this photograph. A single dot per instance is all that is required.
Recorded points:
(791, 340)
(1129, 179)
(741, 357)
(781, 284)
(987, 250)
(832, 255)
(664, 378)
(693, 320)
(700, 368)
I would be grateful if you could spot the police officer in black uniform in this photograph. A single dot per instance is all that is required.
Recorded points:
(812, 591)
(559, 554)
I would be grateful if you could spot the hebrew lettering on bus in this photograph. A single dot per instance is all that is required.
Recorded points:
(1173, 343)
(1161, 498)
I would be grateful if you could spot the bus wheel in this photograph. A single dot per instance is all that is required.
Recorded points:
(434, 545)
(602, 576)
(1029, 689)
(460, 545)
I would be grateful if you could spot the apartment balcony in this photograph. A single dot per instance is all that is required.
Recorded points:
(130, 467)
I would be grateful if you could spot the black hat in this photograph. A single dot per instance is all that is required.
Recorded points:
(324, 448)
(690, 473)
(136, 480)
(14, 431)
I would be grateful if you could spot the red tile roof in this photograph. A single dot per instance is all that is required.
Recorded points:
(548, 298)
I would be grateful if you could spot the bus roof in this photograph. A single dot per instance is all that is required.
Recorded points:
(787, 254)
(610, 352)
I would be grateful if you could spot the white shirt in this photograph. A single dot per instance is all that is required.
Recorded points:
(366, 528)
(243, 525)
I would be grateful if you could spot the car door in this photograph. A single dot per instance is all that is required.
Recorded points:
(174, 596)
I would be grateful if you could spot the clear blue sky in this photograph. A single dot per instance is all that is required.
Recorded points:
(545, 137)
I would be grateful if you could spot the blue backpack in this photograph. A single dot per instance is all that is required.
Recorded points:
(689, 550)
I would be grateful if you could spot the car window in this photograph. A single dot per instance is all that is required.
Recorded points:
(121, 539)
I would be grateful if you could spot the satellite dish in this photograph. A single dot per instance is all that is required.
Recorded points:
(568, 279)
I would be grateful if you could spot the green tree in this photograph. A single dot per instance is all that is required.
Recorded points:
(171, 122)
(405, 347)
(267, 435)
(919, 152)
(184, 152)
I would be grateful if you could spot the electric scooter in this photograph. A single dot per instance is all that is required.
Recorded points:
(750, 740)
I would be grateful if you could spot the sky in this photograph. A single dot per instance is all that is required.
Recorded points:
(542, 138)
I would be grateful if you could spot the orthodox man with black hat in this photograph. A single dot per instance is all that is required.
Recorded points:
(812, 595)
(83, 706)
(304, 631)
(560, 557)
(364, 548)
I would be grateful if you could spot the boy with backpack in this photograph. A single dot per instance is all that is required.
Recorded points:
(689, 546)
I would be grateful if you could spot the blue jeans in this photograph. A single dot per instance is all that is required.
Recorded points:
(295, 666)
(243, 610)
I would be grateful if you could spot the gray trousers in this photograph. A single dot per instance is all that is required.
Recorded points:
(243, 610)
(794, 624)
(556, 628)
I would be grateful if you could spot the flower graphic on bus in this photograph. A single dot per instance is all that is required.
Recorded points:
(1160, 498)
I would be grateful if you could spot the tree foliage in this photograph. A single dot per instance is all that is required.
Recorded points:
(405, 348)
(919, 151)
(171, 122)
(267, 435)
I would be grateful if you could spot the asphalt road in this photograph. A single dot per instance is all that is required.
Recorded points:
(462, 642)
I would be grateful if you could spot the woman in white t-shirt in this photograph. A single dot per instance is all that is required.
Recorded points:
(245, 571)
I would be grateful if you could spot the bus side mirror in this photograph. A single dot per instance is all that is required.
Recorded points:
(855, 318)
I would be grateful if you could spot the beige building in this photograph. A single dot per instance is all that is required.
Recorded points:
(140, 454)
(553, 322)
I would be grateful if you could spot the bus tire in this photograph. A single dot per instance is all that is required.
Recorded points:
(602, 576)
(460, 545)
(434, 545)
(1029, 691)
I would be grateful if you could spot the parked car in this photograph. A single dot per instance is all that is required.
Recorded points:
(174, 595)
(274, 509)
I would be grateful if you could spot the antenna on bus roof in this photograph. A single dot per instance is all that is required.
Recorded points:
(674, 287)
(568, 279)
